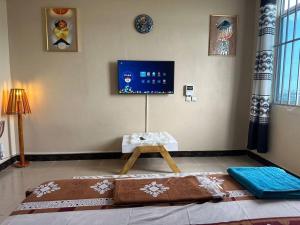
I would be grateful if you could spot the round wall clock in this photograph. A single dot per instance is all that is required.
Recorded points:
(143, 23)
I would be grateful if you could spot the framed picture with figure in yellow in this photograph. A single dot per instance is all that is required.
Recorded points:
(61, 29)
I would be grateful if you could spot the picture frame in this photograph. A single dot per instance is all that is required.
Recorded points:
(61, 29)
(223, 35)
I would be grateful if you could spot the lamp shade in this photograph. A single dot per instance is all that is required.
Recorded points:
(18, 102)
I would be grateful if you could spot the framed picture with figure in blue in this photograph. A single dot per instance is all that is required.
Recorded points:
(223, 35)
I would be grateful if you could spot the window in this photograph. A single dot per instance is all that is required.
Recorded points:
(287, 52)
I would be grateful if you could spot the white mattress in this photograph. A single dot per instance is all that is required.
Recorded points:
(207, 213)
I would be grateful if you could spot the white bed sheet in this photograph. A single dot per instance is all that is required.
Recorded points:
(173, 215)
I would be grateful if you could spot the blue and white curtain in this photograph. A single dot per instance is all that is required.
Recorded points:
(262, 78)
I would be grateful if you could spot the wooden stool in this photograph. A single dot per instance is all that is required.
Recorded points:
(150, 149)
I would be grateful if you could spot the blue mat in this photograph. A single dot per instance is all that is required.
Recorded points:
(267, 182)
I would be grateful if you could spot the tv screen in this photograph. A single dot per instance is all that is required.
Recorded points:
(146, 77)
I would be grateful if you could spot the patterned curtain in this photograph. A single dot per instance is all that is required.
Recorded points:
(262, 78)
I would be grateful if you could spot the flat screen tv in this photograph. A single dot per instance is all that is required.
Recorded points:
(146, 77)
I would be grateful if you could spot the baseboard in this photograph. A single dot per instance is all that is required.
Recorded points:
(266, 162)
(76, 156)
(8, 162)
(118, 155)
(208, 153)
(260, 159)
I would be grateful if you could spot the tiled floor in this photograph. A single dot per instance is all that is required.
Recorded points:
(14, 181)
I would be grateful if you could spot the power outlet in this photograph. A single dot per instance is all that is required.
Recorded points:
(188, 98)
(194, 98)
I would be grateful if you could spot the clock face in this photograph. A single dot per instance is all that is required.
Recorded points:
(143, 23)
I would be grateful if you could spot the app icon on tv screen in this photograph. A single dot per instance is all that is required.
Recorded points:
(144, 77)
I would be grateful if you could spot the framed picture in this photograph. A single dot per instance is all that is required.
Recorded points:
(222, 35)
(61, 29)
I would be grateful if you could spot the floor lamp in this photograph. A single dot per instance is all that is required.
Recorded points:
(18, 105)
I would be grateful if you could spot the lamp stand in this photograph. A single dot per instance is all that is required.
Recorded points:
(22, 162)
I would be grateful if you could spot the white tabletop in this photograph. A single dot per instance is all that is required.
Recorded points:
(130, 142)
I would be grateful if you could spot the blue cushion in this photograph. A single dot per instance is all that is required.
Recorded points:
(267, 182)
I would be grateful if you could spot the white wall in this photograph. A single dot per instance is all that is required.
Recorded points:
(8, 137)
(73, 97)
(285, 138)
(76, 109)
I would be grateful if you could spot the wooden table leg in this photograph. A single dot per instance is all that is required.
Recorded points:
(166, 155)
(150, 149)
(125, 156)
(129, 164)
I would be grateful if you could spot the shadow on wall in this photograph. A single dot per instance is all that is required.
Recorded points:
(245, 61)
(113, 78)
(115, 143)
(5, 95)
(5, 120)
